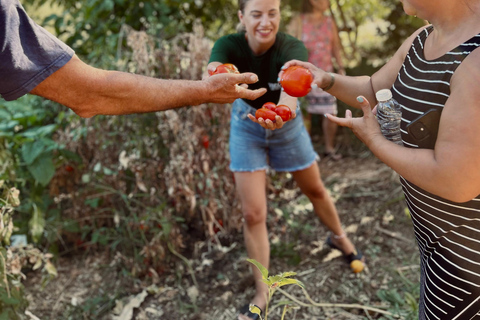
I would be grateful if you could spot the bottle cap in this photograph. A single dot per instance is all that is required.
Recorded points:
(383, 95)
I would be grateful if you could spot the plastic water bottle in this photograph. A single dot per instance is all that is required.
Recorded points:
(389, 116)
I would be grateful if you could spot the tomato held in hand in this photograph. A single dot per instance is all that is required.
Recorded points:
(269, 106)
(224, 68)
(284, 112)
(296, 81)
(265, 114)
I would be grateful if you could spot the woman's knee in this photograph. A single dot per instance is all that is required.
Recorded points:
(254, 216)
(317, 192)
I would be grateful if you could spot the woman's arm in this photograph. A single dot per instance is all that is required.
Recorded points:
(89, 91)
(347, 88)
(451, 170)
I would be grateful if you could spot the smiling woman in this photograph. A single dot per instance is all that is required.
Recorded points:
(281, 144)
(261, 24)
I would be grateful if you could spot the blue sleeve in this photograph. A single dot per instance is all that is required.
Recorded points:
(28, 53)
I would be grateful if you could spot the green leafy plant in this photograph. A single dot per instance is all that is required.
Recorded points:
(273, 283)
(13, 302)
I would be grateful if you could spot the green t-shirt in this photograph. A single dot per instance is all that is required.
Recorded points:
(234, 49)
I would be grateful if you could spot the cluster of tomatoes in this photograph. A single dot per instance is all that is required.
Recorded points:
(270, 110)
(296, 81)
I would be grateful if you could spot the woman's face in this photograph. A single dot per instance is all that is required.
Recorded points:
(261, 19)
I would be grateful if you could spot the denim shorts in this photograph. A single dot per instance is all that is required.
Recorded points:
(253, 148)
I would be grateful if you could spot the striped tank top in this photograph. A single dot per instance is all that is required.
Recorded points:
(447, 233)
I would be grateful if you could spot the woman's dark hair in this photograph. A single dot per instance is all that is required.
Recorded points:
(242, 4)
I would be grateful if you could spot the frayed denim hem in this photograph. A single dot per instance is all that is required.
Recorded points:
(249, 170)
(299, 168)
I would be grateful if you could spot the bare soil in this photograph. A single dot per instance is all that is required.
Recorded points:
(218, 279)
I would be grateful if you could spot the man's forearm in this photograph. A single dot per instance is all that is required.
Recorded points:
(124, 93)
(89, 91)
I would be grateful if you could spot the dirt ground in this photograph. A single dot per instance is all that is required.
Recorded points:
(218, 281)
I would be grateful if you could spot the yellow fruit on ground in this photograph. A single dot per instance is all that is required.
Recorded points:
(357, 266)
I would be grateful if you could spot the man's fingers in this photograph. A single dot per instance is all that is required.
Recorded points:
(252, 94)
(246, 77)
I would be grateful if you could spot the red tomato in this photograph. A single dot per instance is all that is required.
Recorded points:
(224, 68)
(284, 112)
(265, 114)
(269, 106)
(205, 141)
(296, 81)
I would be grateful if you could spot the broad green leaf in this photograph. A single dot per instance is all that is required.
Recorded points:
(291, 281)
(40, 131)
(9, 126)
(42, 169)
(4, 114)
(5, 315)
(36, 224)
(288, 274)
(31, 150)
(260, 267)
(10, 301)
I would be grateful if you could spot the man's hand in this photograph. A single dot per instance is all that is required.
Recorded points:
(227, 87)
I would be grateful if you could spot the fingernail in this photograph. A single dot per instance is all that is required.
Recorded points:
(253, 78)
(283, 67)
(278, 79)
(314, 86)
(360, 99)
(325, 115)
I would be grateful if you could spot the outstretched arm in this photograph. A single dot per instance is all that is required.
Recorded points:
(450, 170)
(347, 88)
(89, 91)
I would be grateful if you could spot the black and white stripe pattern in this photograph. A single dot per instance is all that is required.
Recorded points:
(447, 233)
